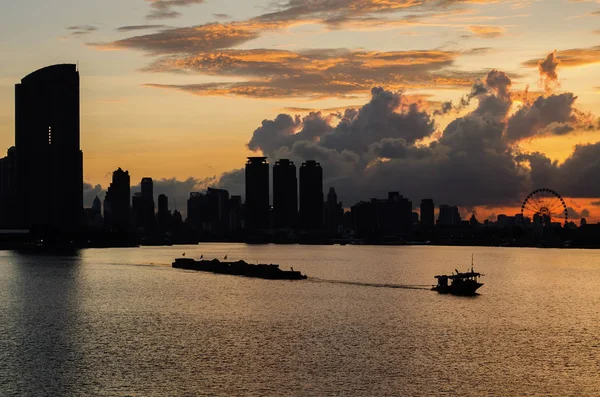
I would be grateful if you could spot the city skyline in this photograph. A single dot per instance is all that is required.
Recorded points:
(437, 54)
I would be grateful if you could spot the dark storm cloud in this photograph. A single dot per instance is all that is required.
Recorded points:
(81, 30)
(163, 9)
(132, 28)
(553, 115)
(387, 145)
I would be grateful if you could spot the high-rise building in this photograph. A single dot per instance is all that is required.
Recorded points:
(8, 189)
(334, 213)
(256, 209)
(146, 217)
(311, 195)
(449, 216)
(164, 215)
(117, 202)
(47, 140)
(197, 208)
(235, 213)
(218, 210)
(97, 207)
(394, 215)
(285, 194)
(427, 213)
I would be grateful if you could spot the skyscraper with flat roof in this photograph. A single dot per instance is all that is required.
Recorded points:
(311, 195)
(47, 141)
(285, 194)
(256, 208)
(427, 213)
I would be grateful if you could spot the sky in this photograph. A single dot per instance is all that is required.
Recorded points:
(471, 102)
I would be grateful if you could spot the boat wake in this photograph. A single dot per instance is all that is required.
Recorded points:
(373, 285)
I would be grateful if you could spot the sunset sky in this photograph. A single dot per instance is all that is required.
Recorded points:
(179, 88)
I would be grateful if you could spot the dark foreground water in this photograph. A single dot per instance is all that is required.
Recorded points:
(121, 322)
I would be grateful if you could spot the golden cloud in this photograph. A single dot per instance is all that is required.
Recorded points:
(572, 58)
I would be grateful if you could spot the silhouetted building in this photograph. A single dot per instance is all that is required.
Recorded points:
(427, 213)
(449, 216)
(8, 189)
(473, 222)
(164, 215)
(311, 195)
(218, 210)
(47, 140)
(364, 218)
(505, 221)
(197, 208)
(97, 207)
(394, 215)
(235, 213)
(334, 213)
(117, 202)
(415, 219)
(137, 209)
(285, 194)
(93, 216)
(143, 206)
(256, 208)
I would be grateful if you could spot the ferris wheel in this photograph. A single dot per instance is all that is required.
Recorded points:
(545, 206)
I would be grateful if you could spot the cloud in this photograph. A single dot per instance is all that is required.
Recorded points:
(132, 28)
(210, 49)
(553, 115)
(342, 12)
(548, 75)
(486, 31)
(163, 9)
(388, 144)
(572, 58)
(315, 73)
(222, 16)
(81, 30)
(190, 40)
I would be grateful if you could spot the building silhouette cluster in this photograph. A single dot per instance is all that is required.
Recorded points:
(41, 191)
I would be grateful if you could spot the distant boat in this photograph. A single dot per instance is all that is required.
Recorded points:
(464, 284)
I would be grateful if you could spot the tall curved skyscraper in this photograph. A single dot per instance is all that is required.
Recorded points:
(49, 158)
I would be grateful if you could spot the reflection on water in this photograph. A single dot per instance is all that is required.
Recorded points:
(121, 322)
(39, 316)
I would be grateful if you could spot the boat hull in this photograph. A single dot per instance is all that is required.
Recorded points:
(465, 289)
(239, 268)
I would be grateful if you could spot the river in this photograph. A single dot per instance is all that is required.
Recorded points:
(122, 322)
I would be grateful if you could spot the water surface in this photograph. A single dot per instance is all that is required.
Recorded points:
(122, 322)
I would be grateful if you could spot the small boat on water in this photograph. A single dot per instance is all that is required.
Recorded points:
(239, 268)
(463, 284)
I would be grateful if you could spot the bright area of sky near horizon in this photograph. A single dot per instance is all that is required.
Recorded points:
(165, 133)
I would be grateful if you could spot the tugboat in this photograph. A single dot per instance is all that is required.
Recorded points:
(463, 284)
